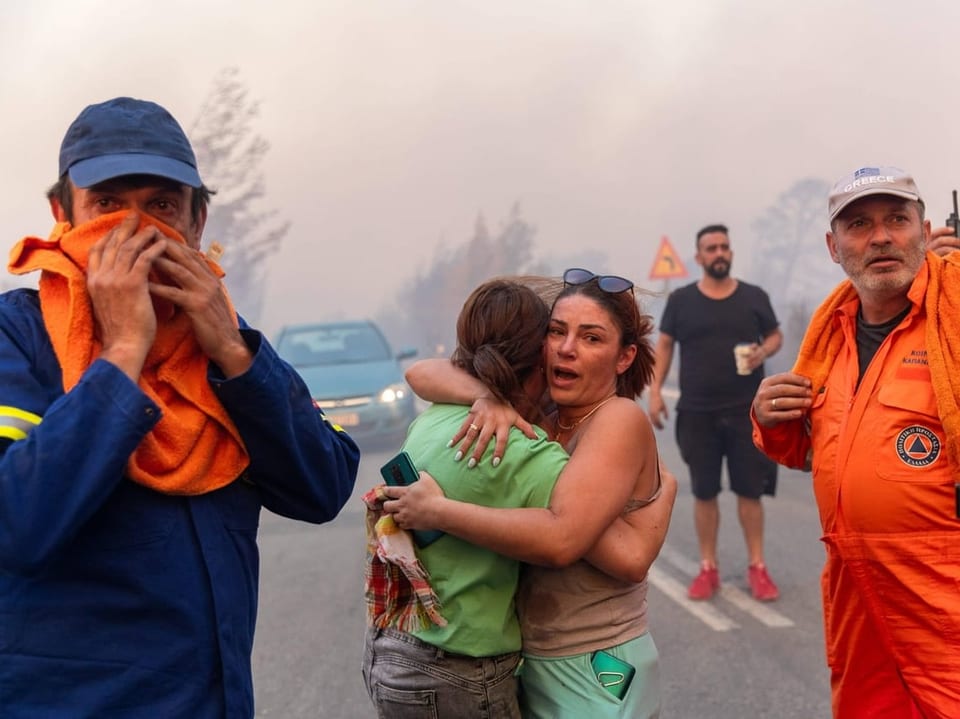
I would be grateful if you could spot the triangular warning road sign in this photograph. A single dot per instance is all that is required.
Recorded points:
(667, 265)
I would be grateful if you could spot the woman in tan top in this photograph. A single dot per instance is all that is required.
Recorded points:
(586, 647)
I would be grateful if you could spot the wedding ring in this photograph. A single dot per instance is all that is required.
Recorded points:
(774, 403)
(474, 427)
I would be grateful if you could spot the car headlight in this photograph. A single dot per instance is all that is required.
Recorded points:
(393, 393)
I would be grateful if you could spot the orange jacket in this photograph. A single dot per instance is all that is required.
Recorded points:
(885, 491)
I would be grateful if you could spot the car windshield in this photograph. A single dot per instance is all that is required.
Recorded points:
(333, 345)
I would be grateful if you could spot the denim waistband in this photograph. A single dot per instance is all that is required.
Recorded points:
(437, 652)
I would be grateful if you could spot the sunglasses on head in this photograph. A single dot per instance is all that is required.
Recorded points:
(610, 284)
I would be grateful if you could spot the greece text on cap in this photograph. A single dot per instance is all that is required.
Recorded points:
(868, 181)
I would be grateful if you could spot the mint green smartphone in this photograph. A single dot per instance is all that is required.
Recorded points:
(614, 675)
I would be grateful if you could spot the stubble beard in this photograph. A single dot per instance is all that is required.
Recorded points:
(899, 280)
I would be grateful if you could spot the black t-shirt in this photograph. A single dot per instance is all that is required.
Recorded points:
(707, 331)
(870, 337)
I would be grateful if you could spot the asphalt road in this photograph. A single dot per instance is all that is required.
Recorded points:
(729, 658)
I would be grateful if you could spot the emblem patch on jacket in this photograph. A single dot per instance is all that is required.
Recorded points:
(917, 446)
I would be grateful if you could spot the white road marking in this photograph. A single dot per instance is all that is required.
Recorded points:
(670, 392)
(704, 611)
(678, 560)
(762, 612)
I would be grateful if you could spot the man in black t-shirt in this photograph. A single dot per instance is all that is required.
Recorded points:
(709, 318)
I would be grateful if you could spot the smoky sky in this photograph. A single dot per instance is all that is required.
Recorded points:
(394, 124)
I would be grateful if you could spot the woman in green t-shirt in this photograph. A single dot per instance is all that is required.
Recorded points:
(467, 667)
(583, 622)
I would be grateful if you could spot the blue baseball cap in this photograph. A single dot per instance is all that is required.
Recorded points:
(124, 136)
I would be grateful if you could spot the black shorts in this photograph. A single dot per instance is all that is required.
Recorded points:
(705, 438)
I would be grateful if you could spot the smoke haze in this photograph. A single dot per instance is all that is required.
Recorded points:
(393, 124)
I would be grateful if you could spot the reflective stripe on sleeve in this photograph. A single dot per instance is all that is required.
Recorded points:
(17, 423)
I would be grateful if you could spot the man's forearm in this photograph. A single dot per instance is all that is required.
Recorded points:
(772, 343)
(663, 356)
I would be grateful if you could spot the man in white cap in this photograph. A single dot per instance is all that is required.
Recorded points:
(873, 405)
(143, 425)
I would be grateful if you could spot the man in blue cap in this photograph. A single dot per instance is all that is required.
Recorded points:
(143, 425)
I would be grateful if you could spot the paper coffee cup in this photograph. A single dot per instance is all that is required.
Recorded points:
(741, 353)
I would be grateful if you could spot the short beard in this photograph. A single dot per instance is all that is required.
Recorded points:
(891, 282)
(718, 270)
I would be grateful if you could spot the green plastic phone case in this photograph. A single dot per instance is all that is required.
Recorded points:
(401, 471)
(614, 675)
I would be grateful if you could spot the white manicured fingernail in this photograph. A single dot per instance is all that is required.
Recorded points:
(496, 462)
(458, 456)
(472, 463)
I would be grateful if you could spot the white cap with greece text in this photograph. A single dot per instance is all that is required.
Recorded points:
(871, 181)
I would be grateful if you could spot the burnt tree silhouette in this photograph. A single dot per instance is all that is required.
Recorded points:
(230, 155)
(791, 260)
(426, 308)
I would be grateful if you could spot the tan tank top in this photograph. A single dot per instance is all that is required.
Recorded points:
(578, 609)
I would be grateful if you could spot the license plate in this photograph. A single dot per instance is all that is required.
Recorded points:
(347, 419)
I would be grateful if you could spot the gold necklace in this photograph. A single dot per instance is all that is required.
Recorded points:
(561, 427)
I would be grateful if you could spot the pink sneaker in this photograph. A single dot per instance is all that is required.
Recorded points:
(704, 584)
(761, 586)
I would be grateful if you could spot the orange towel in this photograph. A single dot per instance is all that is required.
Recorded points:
(194, 448)
(823, 339)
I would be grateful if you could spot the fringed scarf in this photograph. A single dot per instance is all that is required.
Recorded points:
(397, 587)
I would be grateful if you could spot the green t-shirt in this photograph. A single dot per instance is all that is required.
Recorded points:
(476, 586)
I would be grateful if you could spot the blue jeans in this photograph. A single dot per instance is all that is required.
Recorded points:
(410, 679)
